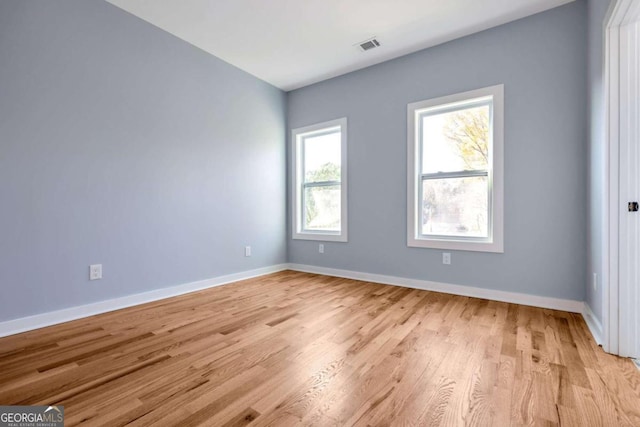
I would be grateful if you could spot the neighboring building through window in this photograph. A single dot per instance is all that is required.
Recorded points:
(455, 163)
(319, 196)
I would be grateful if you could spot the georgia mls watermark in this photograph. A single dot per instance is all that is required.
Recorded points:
(31, 416)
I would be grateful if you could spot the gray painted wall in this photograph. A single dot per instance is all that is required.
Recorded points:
(597, 10)
(122, 145)
(541, 61)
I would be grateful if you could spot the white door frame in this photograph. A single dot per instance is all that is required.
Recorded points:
(621, 75)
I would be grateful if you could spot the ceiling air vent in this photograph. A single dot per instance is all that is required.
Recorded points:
(372, 43)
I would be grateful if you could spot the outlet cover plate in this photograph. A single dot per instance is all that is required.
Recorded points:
(95, 272)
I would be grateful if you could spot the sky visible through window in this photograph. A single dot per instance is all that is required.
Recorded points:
(439, 154)
(320, 150)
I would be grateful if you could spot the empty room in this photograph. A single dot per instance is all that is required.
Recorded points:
(321, 213)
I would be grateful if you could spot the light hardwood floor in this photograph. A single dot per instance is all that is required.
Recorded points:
(294, 348)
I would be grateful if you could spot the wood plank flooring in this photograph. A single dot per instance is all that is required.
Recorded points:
(302, 349)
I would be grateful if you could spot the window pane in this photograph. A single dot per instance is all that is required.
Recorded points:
(322, 208)
(322, 157)
(455, 207)
(456, 140)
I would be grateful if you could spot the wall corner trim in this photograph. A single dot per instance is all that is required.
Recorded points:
(572, 306)
(594, 325)
(24, 324)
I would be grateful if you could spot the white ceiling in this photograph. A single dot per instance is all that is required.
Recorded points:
(293, 43)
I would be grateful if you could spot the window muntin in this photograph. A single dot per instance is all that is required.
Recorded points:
(455, 201)
(319, 193)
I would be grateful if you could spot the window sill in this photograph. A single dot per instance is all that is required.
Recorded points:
(320, 237)
(456, 245)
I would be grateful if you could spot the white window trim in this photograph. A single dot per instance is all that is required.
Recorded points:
(296, 188)
(495, 243)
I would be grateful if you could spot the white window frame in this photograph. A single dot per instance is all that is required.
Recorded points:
(494, 243)
(297, 137)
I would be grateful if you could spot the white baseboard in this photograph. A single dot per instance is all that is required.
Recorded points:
(572, 306)
(37, 321)
(595, 327)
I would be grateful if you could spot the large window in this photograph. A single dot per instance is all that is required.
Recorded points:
(320, 181)
(455, 168)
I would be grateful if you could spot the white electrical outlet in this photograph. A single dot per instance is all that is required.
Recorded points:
(247, 251)
(446, 258)
(95, 272)
(595, 281)
(321, 248)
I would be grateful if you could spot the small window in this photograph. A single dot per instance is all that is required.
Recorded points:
(320, 181)
(455, 196)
